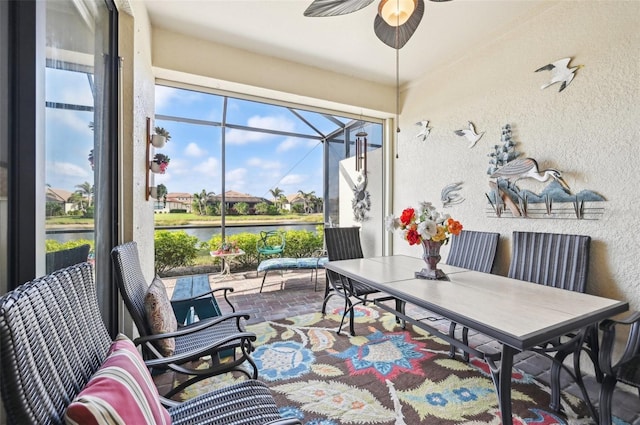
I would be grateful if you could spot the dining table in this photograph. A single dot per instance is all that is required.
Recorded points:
(519, 315)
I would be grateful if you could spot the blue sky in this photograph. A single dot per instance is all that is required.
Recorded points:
(255, 161)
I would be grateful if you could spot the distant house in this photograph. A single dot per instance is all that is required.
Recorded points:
(60, 196)
(232, 197)
(174, 201)
(292, 200)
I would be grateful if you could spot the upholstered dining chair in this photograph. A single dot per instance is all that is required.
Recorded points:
(471, 250)
(172, 347)
(343, 243)
(561, 261)
(626, 368)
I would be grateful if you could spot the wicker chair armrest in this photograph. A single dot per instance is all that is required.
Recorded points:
(244, 338)
(287, 421)
(226, 290)
(195, 327)
(632, 347)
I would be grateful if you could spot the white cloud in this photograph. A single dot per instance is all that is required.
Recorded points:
(241, 137)
(194, 150)
(210, 167)
(66, 169)
(264, 164)
(72, 120)
(293, 179)
(288, 144)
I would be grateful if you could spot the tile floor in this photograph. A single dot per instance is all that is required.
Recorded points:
(301, 294)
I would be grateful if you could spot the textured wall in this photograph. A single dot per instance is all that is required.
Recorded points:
(590, 131)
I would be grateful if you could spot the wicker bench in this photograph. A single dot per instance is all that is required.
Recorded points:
(287, 263)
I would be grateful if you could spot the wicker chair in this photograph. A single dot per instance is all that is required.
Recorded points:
(67, 257)
(561, 261)
(213, 336)
(53, 339)
(625, 369)
(474, 251)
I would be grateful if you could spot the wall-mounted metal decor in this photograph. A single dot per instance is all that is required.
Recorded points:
(560, 73)
(424, 130)
(470, 134)
(506, 199)
(450, 196)
(361, 202)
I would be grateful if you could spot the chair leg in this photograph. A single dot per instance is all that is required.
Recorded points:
(452, 334)
(263, 279)
(606, 393)
(465, 341)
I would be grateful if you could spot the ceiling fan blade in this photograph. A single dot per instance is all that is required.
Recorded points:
(335, 7)
(387, 33)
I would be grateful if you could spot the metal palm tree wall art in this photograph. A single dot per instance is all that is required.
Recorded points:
(403, 14)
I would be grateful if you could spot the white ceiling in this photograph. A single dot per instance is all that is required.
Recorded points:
(345, 44)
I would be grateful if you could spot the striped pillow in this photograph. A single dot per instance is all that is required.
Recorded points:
(120, 392)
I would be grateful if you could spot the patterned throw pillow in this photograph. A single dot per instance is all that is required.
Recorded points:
(120, 392)
(160, 315)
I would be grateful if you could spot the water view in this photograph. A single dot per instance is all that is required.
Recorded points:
(203, 233)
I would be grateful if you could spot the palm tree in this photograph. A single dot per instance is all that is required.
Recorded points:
(307, 199)
(202, 199)
(276, 192)
(86, 190)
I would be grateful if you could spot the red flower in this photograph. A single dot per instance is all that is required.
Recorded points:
(407, 216)
(454, 226)
(413, 237)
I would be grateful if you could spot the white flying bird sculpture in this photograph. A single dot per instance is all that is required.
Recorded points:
(470, 134)
(560, 73)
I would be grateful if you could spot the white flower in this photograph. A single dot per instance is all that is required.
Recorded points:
(391, 223)
(427, 229)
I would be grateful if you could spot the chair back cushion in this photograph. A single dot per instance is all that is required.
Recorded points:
(473, 250)
(131, 283)
(52, 340)
(343, 243)
(160, 315)
(551, 259)
(120, 392)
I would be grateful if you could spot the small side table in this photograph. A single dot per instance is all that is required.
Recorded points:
(186, 307)
(226, 257)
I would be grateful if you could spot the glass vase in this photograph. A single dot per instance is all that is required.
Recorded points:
(431, 257)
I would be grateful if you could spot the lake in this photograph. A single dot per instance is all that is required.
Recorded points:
(203, 233)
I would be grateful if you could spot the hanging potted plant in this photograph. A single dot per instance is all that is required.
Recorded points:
(160, 163)
(161, 137)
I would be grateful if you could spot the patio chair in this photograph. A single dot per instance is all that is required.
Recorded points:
(626, 368)
(343, 243)
(175, 348)
(53, 342)
(66, 257)
(561, 261)
(471, 250)
(270, 244)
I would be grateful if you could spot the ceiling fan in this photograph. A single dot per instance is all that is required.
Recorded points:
(394, 24)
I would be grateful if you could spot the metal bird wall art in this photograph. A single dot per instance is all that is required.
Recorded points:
(384, 31)
(470, 134)
(523, 168)
(450, 196)
(424, 130)
(560, 73)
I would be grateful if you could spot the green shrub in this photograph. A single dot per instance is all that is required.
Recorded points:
(174, 249)
(301, 243)
(245, 241)
(177, 211)
(53, 245)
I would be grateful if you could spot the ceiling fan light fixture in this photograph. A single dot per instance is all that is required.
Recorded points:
(396, 12)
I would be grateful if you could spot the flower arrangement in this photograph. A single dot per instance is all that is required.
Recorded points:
(424, 223)
(162, 160)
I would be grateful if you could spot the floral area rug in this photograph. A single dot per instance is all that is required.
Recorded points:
(385, 375)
